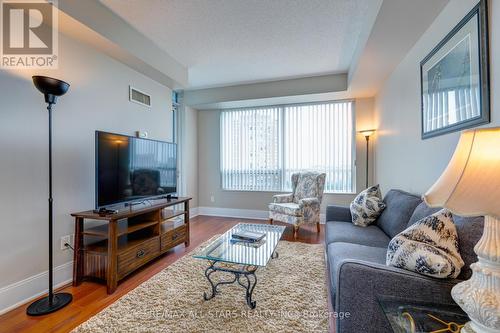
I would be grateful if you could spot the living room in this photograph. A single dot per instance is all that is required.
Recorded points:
(250, 166)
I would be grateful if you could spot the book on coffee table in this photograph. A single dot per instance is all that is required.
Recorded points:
(248, 236)
(242, 242)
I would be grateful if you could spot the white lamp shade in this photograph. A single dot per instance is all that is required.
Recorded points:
(470, 184)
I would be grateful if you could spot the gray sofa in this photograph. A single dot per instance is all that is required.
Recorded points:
(356, 255)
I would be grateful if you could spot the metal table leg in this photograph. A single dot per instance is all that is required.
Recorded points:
(245, 274)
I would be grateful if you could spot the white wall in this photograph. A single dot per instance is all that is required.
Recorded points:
(403, 160)
(97, 100)
(209, 156)
(190, 157)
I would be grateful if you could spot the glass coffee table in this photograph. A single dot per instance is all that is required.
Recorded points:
(240, 259)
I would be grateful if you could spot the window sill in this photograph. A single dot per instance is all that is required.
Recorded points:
(285, 192)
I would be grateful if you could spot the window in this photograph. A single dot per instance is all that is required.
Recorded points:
(262, 147)
(175, 112)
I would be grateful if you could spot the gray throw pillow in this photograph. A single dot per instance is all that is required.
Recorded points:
(428, 247)
(367, 206)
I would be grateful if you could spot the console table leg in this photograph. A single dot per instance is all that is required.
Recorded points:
(77, 252)
(111, 277)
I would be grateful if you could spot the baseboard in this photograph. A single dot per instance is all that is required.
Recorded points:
(234, 212)
(22, 292)
(193, 212)
(240, 213)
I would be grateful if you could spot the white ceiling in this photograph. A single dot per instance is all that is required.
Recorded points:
(227, 42)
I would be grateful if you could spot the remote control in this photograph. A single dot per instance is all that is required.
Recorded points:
(105, 211)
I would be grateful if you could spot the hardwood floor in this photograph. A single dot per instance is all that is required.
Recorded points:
(89, 298)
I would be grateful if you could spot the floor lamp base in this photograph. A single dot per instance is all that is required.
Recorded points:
(42, 306)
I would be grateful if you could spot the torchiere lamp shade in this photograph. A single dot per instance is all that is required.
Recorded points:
(367, 132)
(50, 87)
(470, 185)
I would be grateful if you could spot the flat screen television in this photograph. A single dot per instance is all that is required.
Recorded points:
(129, 169)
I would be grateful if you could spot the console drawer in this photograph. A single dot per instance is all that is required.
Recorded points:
(173, 238)
(137, 256)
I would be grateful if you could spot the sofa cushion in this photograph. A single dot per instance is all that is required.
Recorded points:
(367, 206)
(349, 233)
(420, 212)
(400, 207)
(288, 208)
(428, 247)
(340, 252)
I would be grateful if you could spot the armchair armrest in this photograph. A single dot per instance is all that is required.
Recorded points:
(309, 202)
(283, 198)
(338, 213)
(360, 284)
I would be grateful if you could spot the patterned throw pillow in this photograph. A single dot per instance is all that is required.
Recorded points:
(367, 206)
(428, 247)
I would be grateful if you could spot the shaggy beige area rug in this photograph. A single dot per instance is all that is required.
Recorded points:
(291, 296)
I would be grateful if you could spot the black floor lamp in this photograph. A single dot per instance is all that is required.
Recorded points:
(367, 134)
(51, 88)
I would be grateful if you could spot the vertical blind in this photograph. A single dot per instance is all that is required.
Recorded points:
(250, 149)
(262, 147)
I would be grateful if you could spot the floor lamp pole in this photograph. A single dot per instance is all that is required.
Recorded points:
(367, 133)
(367, 137)
(51, 88)
(51, 216)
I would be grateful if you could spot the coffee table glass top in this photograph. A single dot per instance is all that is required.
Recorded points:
(222, 249)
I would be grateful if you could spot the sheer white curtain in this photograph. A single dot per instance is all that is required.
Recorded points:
(262, 147)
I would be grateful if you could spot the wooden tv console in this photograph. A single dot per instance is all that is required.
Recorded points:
(117, 244)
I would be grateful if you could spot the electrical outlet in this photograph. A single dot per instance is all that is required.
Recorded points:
(141, 134)
(212, 198)
(66, 239)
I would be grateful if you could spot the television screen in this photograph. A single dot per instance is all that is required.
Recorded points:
(132, 169)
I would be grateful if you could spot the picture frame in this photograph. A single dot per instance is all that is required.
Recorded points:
(454, 78)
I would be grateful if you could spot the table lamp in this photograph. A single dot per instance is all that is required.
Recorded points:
(470, 186)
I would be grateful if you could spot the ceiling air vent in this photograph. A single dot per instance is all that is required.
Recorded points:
(139, 97)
